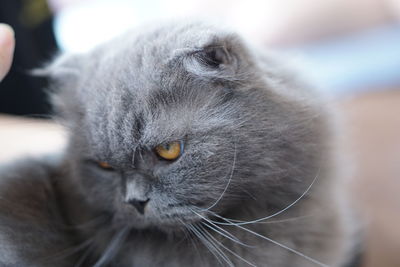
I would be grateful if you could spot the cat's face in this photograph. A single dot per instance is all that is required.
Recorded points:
(170, 123)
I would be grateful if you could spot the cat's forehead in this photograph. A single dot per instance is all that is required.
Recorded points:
(121, 125)
(158, 115)
(160, 85)
(142, 74)
(145, 62)
(157, 111)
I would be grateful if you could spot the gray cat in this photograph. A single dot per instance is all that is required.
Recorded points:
(186, 148)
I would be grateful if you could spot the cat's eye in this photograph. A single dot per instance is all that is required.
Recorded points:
(104, 165)
(170, 151)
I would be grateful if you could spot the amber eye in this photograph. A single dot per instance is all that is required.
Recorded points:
(170, 151)
(104, 165)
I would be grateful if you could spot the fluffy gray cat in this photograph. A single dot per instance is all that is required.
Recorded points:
(187, 147)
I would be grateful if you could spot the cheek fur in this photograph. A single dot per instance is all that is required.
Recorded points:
(99, 187)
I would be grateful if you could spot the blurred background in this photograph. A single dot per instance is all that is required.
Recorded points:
(350, 49)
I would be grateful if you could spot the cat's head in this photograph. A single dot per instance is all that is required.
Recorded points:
(177, 120)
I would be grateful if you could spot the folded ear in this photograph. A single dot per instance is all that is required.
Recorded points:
(222, 57)
(214, 56)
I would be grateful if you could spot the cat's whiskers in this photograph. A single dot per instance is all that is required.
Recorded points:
(223, 233)
(205, 242)
(217, 249)
(85, 255)
(224, 247)
(220, 230)
(267, 222)
(239, 222)
(113, 247)
(273, 241)
(68, 252)
(285, 247)
(287, 219)
(187, 232)
(230, 236)
(85, 245)
(229, 181)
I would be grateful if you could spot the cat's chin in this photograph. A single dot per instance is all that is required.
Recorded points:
(166, 228)
(162, 223)
(167, 225)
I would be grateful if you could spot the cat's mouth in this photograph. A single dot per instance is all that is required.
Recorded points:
(165, 223)
(167, 219)
(174, 219)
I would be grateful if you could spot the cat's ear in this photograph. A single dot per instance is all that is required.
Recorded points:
(221, 57)
(214, 56)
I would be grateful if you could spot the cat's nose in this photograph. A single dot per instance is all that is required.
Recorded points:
(140, 205)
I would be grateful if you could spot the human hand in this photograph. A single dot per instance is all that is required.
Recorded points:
(7, 44)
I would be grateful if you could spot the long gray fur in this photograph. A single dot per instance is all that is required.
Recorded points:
(255, 139)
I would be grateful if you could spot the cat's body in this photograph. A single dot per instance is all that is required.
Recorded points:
(254, 141)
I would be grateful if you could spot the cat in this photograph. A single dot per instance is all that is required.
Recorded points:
(186, 147)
